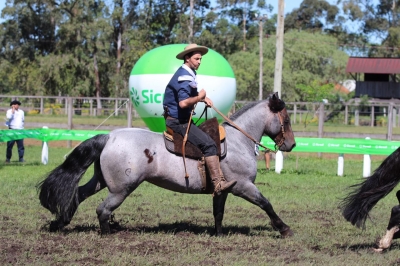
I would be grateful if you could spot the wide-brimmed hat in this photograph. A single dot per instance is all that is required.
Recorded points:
(15, 102)
(192, 48)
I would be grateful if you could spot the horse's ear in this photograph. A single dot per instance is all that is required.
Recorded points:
(275, 104)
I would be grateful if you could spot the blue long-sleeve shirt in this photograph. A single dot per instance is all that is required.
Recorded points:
(181, 86)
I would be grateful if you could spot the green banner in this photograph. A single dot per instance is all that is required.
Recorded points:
(353, 146)
(45, 134)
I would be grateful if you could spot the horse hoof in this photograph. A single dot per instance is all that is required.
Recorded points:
(55, 226)
(378, 250)
(287, 233)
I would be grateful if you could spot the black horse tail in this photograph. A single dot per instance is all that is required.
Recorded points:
(59, 191)
(356, 206)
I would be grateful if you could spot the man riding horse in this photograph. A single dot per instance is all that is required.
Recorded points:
(180, 97)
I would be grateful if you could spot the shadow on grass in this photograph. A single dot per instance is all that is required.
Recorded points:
(175, 228)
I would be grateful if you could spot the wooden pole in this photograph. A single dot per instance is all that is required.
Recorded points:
(390, 122)
(69, 142)
(279, 48)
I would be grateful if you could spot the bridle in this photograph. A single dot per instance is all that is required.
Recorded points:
(282, 140)
(278, 144)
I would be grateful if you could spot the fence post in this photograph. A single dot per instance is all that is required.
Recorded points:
(346, 114)
(372, 116)
(41, 105)
(129, 112)
(294, 113)
(66, 106)
(390, 122)
(278, 162)
(367, 164)
(91, 107)
(357, 117)
(45, 150)
(321, 123)
(69, 142)
(340, 165)
(321, 120)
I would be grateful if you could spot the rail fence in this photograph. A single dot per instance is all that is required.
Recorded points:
(375, 113)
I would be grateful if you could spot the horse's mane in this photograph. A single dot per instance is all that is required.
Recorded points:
(243, 110)
(275, 106)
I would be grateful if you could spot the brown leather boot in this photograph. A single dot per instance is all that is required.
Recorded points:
(220, 184)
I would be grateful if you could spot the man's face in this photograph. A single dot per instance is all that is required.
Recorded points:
(15, 106)
(194, 61)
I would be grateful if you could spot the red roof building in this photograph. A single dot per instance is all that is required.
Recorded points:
(375, 77)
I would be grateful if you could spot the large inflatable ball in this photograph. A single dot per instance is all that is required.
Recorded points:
(153, 71)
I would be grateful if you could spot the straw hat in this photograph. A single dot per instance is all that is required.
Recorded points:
(192, 48)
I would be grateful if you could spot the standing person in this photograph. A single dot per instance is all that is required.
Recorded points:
(15, 120)
(181, 95)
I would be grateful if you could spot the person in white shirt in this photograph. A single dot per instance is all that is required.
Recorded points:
(15, 120)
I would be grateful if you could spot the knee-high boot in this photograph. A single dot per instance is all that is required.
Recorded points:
(220, 184)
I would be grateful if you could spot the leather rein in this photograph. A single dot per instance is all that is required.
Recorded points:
(277, 144)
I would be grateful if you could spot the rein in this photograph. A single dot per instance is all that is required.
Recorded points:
(250, 137)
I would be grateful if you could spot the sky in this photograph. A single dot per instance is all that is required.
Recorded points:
(289, 5)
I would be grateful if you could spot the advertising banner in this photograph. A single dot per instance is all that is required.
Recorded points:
(353, 146)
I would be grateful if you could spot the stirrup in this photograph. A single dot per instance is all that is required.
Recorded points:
(217, 189)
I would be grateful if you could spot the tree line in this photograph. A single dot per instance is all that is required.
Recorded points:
(88, 47)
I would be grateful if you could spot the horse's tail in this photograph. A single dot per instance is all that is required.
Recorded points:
(357, 204)
(59, 191)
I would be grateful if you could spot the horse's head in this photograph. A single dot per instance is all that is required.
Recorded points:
(278, 127)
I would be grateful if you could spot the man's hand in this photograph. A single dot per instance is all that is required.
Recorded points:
(202, 95)
(208, 101)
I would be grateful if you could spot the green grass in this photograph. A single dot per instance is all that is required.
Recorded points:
(161, 227)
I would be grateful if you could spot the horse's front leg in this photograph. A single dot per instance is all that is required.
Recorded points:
(250, 192)
(392, 228)
(218, 211)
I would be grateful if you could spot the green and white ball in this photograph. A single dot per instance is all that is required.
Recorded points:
(153, 71)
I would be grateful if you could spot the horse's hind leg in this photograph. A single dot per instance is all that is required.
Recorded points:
(95, 184)
(218, 211)
(250, 192)
(391, 230)
(105, 209)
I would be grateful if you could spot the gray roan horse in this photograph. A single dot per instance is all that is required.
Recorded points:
(124, 158)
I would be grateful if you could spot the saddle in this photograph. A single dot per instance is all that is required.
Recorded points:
(174, 141)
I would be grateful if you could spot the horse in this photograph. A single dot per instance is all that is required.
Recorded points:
(126, 157)
(365, 195)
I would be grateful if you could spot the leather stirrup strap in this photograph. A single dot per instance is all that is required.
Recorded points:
(185, 140)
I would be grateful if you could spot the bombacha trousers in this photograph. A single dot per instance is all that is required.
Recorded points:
(196, 136)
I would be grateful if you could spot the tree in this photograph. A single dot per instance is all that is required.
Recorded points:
(312, 15)
(379, 22)
(307, 58)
